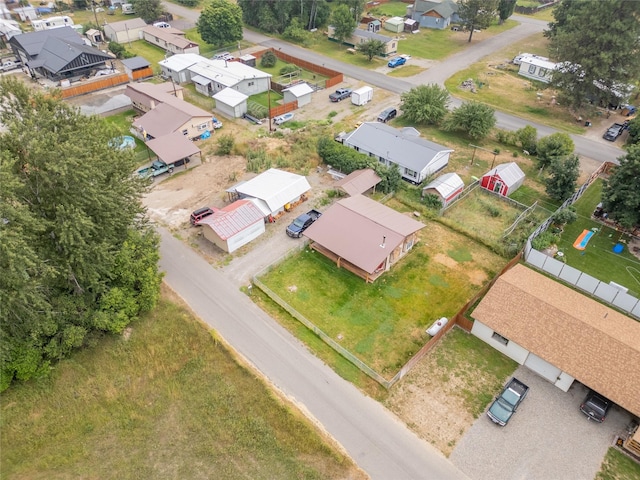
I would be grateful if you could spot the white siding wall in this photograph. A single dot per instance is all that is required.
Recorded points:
(511, 350)
(245, 236)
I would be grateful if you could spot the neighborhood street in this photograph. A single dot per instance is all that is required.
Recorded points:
(376, 440)
(437, 74)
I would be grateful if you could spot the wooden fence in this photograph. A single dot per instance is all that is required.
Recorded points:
(142, 73)
(95, 85)
(333, 77)
(284, 108)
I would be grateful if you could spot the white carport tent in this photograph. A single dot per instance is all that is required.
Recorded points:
(173, 147)
(273, 190)
(231, 102)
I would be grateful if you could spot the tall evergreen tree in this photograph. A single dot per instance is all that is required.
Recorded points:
(621, 193)
(476, 14)
(598, 58)
(76, 254)
(505, 9)
(148, 10)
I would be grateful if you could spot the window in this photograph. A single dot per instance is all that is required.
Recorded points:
(185, 132)
(410, 173)
(499, 338)
(203, 126)
(542, 72)
(532, 69)
(250, 84)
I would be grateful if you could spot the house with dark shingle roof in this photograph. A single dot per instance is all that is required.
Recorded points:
(57, 54)
(416, 157)
(363, 236)
(562, 335)
(437, 14)
(363, 36)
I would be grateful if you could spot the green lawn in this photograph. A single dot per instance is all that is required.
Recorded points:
(263, 99)
(394, 8)
(598, 259)
(148, 51)
(618, 466)
(123, 121)
(384, 323)
(169, 402)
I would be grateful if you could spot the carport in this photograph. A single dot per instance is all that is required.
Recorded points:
(173, 147)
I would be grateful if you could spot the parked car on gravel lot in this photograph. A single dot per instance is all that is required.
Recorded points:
(613, 132)
(199, 214)
(340, 94)
(506, 404)
(595, 407)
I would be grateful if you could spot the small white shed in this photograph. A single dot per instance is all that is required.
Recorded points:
(231, 103)
(300, 92)
(446, 187)
(394, 24)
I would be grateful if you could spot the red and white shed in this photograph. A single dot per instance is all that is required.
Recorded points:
(504, 179)
(446, 187)
(234, 225)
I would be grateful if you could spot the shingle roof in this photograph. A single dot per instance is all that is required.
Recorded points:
(395, 145)
(358, 181)
(233, 218)
(444, 8)
(593, 343)
(170, 38)
(162, 120)
(356, 229)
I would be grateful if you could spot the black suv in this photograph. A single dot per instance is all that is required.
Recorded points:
(595, 407)
(199, 214)
(388, 114)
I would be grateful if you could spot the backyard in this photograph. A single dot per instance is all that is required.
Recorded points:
(598, 258)
(384, 323)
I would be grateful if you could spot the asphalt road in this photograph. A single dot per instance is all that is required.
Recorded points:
(376, 440)
(436, 74)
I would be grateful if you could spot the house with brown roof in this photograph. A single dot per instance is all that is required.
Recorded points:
(166, 113)
(234, 225)
(562, 335)
(169, 39)
(359, 182)
(363, 236)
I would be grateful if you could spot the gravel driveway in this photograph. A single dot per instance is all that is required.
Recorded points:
(547, 438)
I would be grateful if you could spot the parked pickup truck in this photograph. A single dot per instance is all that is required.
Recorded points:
(504, 406)
(613, 132)
(158, 167)
(303, 222)
(340, 94)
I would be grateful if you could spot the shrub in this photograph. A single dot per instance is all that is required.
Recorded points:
(544, 240)
(527, 137)
(225, 144)
(564, 216)
(287, 69)
(332, 114)
(268, 60)
(432, 201)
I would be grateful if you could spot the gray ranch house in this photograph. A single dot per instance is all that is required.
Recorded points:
(416, 157)
(437, 14)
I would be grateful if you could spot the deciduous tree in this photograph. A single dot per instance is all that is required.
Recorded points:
(76, 253)
(634, 131)
(148, 10)
(474, 118)
(597, 58)
(475, 14)
(342, 22)
(563, 177)
(220, 23)
(425, 104)
(553, 147)
(372, 48)
(621, 193)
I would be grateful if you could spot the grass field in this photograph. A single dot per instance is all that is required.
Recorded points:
(168, 402)
(123, 121)
(148, 51)
(384, 323)
(598, 259)
(617, 466)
